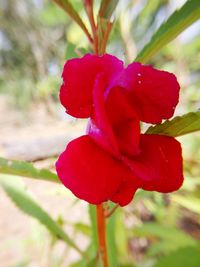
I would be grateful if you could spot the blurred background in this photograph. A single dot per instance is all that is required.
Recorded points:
(36, 37)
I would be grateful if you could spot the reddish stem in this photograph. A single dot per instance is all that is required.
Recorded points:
(89, 10)
(106, 36)
(69, 9)
(101, 228)
(100, 213)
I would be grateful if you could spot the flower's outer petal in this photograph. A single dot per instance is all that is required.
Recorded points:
(154, 93)
(89, 172)
(159, 165)
(76, 92)
(126, 192)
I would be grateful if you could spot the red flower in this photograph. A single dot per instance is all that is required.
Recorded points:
(114, 159)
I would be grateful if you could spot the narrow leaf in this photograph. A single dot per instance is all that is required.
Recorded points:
(191, 203)
(72, 51)
(176, 23)
(122, 236)
(175, 236)
(82, 228)
(67, 6)
(107, 8)
(22, 199)
(93, 262)
(111, 241)
(93, 222)
(189, 256)
(25, 169)
(178, 126)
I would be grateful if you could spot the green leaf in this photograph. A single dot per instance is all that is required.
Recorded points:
(173, 236)
(82, 263)
(93, 262)
(83, 228)
(93, 222)
(107, 8)
(189, 256)
(122, 237)
(94, 238)
(160, 248)
(110, 237)
(17, 191)
(178, 126)
(92, 258)
(67, 6)
(25, 169)
(72, 51)
(190, 202)
(176, 23)
(148, 12)
(51, 15)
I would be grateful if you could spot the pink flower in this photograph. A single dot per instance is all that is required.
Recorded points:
(114, 159)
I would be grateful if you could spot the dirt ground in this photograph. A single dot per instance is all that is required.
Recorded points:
(34, 135)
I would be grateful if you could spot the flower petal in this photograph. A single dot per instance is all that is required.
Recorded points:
(90, 172)
(153, 93)
(78, 80)
(124, 120)
(99, 127)
(159, 166)
(126, 192)
(115, 125)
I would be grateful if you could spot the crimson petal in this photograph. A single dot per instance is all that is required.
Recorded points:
(99, 127)
(124, 120)
(79, 75)
(90, 172)
(115, 125)
(153, 93)
(126, 192)
(159, 165)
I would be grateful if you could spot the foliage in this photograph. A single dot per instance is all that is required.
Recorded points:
(183, 257)
(152, 230)
(18, 193)
(178, 126)
(26, 169)
(177, 22)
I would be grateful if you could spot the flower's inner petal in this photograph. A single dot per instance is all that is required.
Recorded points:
(114, 125)
(99, 127)
(79, 75)
(90, 172)
(153, 93)
(159, 165)
(124, 121)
